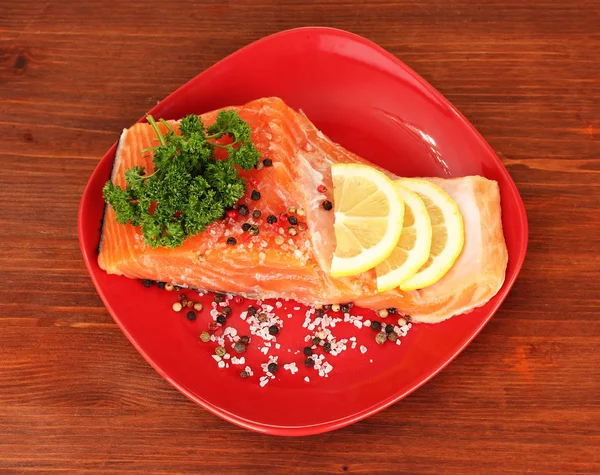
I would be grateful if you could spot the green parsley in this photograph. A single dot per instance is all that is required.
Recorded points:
(189, 188)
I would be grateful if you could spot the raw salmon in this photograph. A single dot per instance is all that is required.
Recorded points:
(275, 264)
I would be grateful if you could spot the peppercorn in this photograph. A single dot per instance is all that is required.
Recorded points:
(308, 351)
(212, 326)
(246, 227)
(147, 283)
(279, 240)
(221, 319)
(326, 307)
(267, 162)
(401, 322)
(251, 310)
(321, 188)
(238, 299)
(177, 288)
(316, 340)
(218, 298)
(191, 316)
(271, 219)
(272, 368)
(243, 210)
(293, 220)
(262, 317)
(255, 195)
(161, 285)
(205, 337)
(327, 205)
(309, 362)
(259, 166)
(408, 318)
(220, 351)
(244, 374)
(375, 325)
(292, 209)
(283, 217)
(239, 347)
(350, 304)
(320, 312)
(256, 214)
(392, 336)
(177, 306)
(292, 231)
(345, 308)
(389, 328)
(300, 212)
(301, 227)
(381, 338)
(335, 307)
(189, 304)
(383, 313)
(231, 241)
(318, 307)
(182, 297)
(327, 347)
(273, 330)
(226, 310)
(197, 306)
(392, 310)
(254, 230)
(322, 334)
(245, 339)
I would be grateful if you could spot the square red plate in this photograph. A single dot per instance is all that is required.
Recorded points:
(374, 105)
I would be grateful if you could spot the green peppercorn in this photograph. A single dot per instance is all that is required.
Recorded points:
(205, 337)
(381, 338)
(220, 351)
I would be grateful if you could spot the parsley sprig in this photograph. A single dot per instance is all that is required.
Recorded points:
(189, 188)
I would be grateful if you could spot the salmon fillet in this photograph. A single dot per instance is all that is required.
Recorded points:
(261, 266)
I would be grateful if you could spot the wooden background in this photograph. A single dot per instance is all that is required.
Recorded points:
(75, 396)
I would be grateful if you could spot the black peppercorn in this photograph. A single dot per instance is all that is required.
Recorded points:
(316, 340)
(191, 316)
(267, 162)
(245, 339)
(256, 214)
(272, 367)
(391, 310)
(273, 330)
(308, 350)
(147, 283)
(309, 362)
(327, 205)
(254, 230)
(231, 241)
(161, 285)
(246, 227)
(293, 220)
(345, 308)
(226, 310)
(244, 374)
(389, 328)
(255, 195)
(252, 310)
(218, 298)
(239, 347)
(272, 219)
(320, 312)
(327, 347)
(375, 325)
(221, 319)
(243, 210)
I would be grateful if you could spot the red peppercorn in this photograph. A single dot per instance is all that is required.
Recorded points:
(238, 299)
(231, 214)
(321, 188)
(218, 331)
(254, 182)
(283, 217)
(212, 327)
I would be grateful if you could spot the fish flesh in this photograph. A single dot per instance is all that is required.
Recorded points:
(277, 264)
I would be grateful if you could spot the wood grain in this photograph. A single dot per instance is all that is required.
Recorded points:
(76, 397)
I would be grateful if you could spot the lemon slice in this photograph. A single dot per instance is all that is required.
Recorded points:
(368, 218)
(412, 250)
(448, 235)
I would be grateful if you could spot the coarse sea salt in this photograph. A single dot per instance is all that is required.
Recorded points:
(363, 349)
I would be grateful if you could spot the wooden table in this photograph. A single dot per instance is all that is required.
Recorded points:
(75, 396)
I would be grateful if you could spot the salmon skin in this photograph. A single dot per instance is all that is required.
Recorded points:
(277, 264)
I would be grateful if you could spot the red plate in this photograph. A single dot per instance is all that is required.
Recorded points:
(373, 104)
